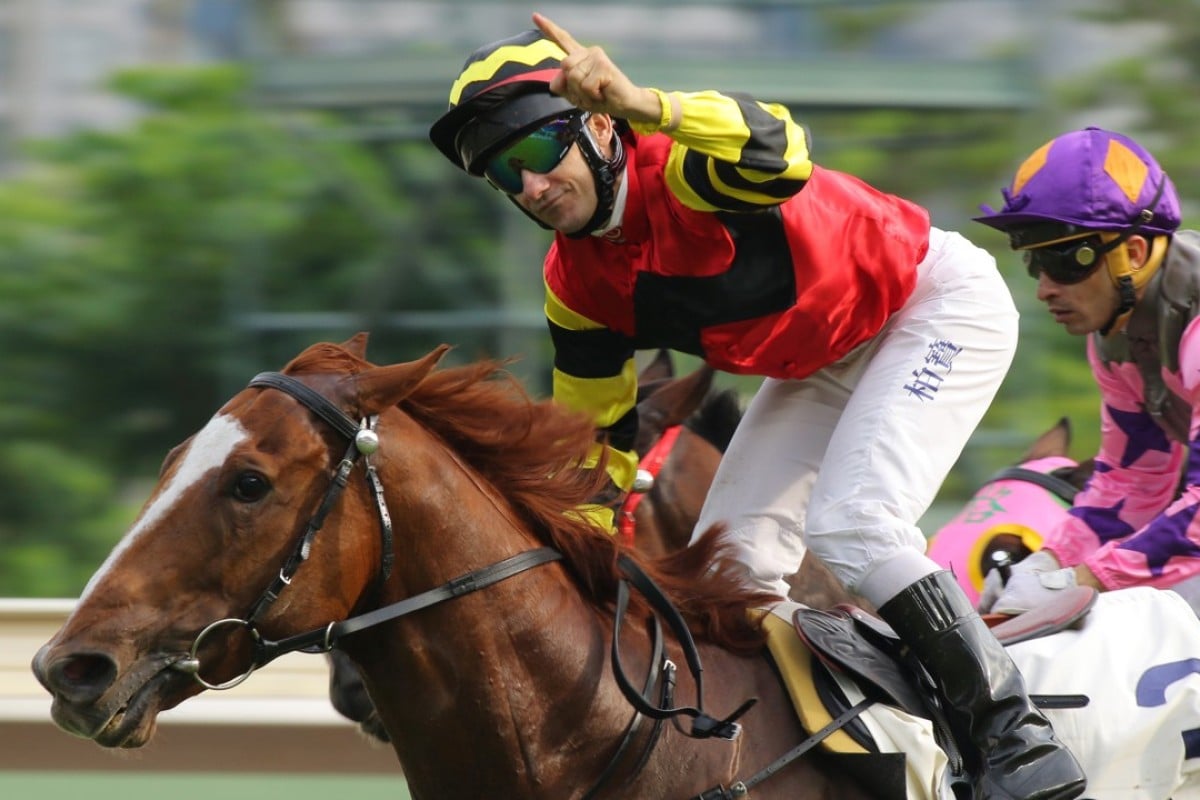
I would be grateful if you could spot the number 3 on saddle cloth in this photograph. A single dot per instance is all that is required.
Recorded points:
(1122, 694)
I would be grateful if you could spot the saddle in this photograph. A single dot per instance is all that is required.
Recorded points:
(823, 648)
(848, 639)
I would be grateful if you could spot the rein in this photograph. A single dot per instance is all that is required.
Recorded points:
(1052, 483)
(364, 442)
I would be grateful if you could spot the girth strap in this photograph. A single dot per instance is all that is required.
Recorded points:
(741, 789)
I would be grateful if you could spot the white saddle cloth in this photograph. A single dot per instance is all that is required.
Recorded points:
(1137, 658)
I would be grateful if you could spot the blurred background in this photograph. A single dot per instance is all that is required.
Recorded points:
(192, 191)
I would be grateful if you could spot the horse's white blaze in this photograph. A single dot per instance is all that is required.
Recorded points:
(208, 450)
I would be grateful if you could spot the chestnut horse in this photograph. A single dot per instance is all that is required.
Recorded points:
(440, 558)
(684, 426)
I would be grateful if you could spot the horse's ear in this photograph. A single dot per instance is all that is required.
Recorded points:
(660, 368)
(1078, 475)
(383, 387)
(1054, 442)
(677, 399)
(356, 345)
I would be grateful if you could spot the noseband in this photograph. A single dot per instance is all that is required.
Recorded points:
(364, 442)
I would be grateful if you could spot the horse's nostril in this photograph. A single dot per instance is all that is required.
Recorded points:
(82, 677)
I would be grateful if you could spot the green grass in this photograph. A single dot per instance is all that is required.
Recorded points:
(194, 786)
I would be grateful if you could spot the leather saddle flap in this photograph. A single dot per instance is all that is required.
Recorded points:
(1066, 610)
(837, 638)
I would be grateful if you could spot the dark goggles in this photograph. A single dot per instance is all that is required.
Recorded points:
(1068, 262)
(1072, 261)
(539, 151)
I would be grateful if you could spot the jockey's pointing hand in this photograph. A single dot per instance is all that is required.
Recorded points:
(591, 81)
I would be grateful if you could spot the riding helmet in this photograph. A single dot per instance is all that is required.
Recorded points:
(1084, 181)
(503, 93)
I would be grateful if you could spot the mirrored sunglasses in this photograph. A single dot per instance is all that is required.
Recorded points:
(540, 152)
(1068, 262)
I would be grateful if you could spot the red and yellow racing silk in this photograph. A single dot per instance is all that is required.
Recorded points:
(734, 247)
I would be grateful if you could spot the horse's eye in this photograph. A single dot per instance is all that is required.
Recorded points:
(250, 487)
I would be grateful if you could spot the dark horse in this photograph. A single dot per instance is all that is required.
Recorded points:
(442, 559)
(1011, 512)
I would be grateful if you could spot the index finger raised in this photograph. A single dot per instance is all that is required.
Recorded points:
(555, 33)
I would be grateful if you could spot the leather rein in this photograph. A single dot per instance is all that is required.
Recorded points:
(364, 442)
(1058, 487)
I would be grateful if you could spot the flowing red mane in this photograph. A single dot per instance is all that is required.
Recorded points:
(529, 451)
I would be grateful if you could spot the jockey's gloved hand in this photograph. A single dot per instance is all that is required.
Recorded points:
(993, 584)
(1031, 590)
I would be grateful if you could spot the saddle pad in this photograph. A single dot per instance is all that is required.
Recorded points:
(1067, 610)
(892, 731)
(795, 663)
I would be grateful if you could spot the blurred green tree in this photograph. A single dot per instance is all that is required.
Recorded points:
(129, 262)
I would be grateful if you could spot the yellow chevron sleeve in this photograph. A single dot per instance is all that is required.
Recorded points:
(730, 151)
(608, 399)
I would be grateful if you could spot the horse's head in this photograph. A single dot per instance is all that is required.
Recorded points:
(1010, 513)
(230, 507)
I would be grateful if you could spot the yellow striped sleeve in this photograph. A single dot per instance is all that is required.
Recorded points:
(608, 398)
(732, 152)
(558, 313)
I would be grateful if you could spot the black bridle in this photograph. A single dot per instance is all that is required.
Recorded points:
(364, 442)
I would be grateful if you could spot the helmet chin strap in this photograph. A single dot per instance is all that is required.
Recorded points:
(604, 170)
(1121, 271)
(1128, 298)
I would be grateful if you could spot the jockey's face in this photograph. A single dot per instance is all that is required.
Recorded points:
(1091, 303)
(565, 197)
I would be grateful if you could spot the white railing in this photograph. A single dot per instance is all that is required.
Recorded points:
(280, 720)
(292, 690)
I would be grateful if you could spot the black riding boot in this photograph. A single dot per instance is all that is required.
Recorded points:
(985, 698)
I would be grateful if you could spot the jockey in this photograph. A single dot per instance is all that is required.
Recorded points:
(1096, 220)
(697, 222)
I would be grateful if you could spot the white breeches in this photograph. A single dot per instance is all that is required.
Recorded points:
(847, 460)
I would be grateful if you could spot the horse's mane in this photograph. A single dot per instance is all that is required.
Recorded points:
(530, 452)
(717, 418)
